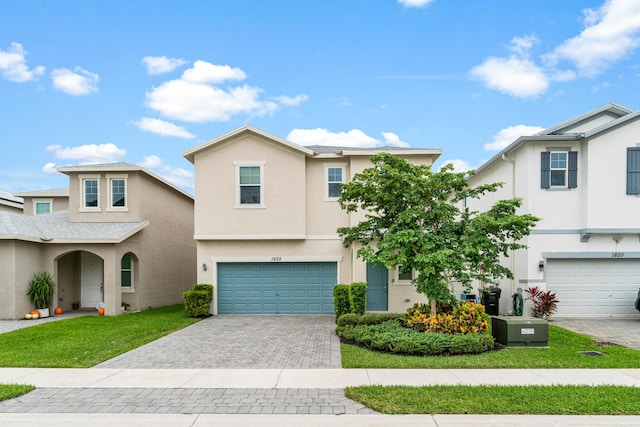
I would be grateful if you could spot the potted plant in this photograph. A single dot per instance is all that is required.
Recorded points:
(41, 291)
(75, 305)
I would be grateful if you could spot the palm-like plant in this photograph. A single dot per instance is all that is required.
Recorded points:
(41, 290)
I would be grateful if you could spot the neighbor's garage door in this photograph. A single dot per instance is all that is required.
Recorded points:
(594, 287)
(276, 287)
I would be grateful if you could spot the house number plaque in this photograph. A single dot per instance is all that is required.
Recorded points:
(617, 254)
(276, 259)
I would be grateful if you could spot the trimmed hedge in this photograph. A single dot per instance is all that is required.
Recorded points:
(358, 297)
(391, 336)
(341, 301)
(352, 319)
(350, 298)
(197, 302)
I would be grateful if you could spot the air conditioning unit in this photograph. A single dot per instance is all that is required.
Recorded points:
(516, 331)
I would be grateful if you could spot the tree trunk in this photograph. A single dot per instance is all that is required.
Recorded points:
(433, 306)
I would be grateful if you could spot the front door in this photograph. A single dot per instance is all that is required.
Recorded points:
(377, 287)
(91, 293)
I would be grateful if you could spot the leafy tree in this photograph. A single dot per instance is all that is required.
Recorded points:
(413, 220)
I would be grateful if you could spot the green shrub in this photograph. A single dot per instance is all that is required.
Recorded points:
(204, 287)
(391, 336)
(197, 302)
(352, 319)
(358, 297)
(466, 318)
(341, 303)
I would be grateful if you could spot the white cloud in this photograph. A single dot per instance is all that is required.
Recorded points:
(611, 33)
(77, 82)
(161, 64)
(516, 75)
(292, 102)
(177, 176)
(206, 72)
(90, 153)
(506, 136)
(50, 168)
(13, 64)
(195, 98)
(164, 128)
(414, 3)
(353, 138)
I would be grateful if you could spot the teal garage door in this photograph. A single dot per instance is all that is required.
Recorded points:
(276, 287)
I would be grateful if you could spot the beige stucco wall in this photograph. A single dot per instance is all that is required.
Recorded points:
(57, 204)
(18, 263)
(282, 213)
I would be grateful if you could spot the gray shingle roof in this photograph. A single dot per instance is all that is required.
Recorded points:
(50, 192)
(56, 228)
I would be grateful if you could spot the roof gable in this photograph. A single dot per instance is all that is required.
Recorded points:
(247, 129)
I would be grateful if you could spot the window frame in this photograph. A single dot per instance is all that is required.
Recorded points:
(110, 179)
(403, 281)
(564, 169)
(130, 270)
(249, 164)
(327, 167)
(83, 199)
(633, 171)
(570, 169)
(36, 202)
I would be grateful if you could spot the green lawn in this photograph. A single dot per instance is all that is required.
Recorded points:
(556, 400)
(82, 342)
(564, 352)
(11, 391)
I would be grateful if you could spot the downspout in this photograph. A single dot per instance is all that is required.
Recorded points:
(513, 196)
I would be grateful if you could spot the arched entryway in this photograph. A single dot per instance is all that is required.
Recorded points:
(80, 279)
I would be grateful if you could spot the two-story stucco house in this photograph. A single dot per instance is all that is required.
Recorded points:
(582, 178)
(125, 235)
(266, 220)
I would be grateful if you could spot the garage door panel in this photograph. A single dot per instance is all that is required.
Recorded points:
(276, 287)
(594, 287)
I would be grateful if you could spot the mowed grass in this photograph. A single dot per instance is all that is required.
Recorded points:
(82, 342)
(564, 351)
(538, 400)
(11, 391)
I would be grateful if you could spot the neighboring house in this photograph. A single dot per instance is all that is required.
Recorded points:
(582, 178)
(127, 236)
(10, 202)
(266, 220)
(45, 201)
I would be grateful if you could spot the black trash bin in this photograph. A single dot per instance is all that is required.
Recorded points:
(491, 300)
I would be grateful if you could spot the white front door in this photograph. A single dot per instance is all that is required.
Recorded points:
(92, 268)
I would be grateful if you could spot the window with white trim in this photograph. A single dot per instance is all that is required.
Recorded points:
(404, 277)
(117, 192)
(42, 207)
(250, 185)
(90, 192)
(559, 168)
(334, 177)
(126, 271)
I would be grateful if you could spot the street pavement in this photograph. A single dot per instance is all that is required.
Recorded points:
(210, 374)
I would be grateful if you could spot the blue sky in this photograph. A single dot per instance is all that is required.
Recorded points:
(142, 81)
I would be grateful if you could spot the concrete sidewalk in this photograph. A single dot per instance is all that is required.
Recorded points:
(307, 378)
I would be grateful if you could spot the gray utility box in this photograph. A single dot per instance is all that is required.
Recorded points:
(516, 331)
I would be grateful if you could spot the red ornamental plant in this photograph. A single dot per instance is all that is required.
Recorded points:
(544, 302)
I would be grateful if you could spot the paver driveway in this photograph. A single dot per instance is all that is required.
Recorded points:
(625, 332)
(242, 341)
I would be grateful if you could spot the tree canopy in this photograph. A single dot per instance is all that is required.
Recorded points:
(414, 219)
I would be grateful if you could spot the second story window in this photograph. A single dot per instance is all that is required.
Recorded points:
(250, 186)
(334, 178)
(90, 193)
(42, 207)
(118, 192)
(559, 169)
